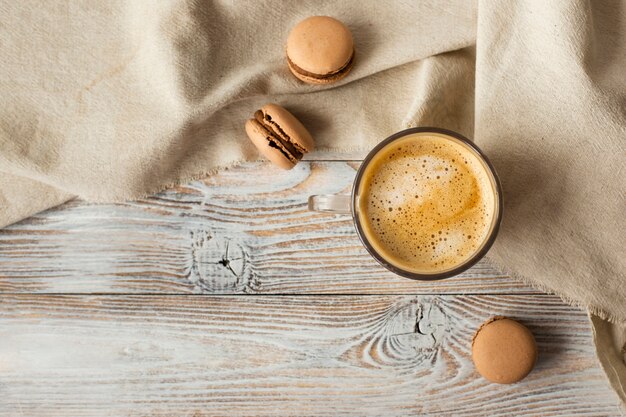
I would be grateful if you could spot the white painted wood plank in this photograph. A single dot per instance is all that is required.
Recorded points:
(176, 242)
(279, 355)
(323, 155)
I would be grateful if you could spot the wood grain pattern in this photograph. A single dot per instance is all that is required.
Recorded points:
(326, 155)
(245, 230)
(285, 355)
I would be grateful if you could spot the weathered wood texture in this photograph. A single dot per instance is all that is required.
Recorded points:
(285, 355)
(320, 155)
(245, 230)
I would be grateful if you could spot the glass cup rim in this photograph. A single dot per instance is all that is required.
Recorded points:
(425, 276)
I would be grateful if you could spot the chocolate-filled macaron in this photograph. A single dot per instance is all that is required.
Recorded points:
(320, 50)
(279, 136)
(503, 350)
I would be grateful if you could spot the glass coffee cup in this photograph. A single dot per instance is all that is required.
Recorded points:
(426, 203)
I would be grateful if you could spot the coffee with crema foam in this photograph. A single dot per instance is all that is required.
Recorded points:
(427, 203)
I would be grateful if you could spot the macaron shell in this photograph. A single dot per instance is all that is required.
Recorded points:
(316, 80)
(504, 351)
(289, 124)
(258, 135)
(320, 45)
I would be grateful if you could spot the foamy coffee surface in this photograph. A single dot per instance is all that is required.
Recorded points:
(426, 203)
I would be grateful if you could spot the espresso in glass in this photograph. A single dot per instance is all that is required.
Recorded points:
(427, 203)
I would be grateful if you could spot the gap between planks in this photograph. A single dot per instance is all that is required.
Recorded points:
(295, 295)
(246, 230)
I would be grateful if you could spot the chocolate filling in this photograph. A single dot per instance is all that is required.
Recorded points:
(321, 76)
(273, 144)
(292, 150)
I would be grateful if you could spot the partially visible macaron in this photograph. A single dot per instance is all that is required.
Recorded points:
(503, 350)
(320, 50)
(279, 136)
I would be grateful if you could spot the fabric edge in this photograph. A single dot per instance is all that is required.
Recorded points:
(602, 354)
(597, 311)
(207, 173)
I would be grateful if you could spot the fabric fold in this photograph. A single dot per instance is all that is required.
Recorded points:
(610, 342)
(134, 96)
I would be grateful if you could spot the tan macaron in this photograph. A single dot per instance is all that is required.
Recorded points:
(320, 50)
(279, 136)
(503, 350)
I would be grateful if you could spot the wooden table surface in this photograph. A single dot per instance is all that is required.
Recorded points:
(227, 297)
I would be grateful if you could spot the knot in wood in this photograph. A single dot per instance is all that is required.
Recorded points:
(219, 263)
(416, 329)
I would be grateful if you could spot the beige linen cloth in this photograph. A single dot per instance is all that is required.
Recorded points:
(113, 100)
